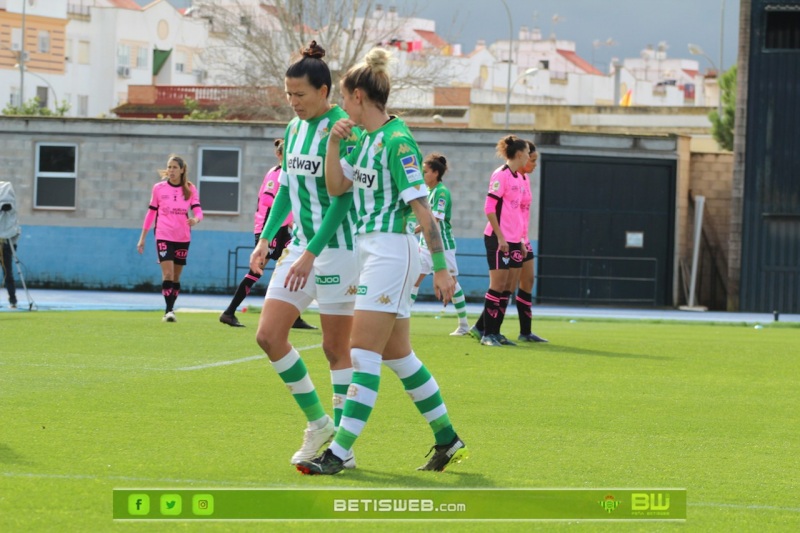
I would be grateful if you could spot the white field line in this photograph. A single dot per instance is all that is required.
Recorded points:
(242, 360)
(154, 369)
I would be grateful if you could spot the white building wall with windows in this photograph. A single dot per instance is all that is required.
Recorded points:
(119, 44)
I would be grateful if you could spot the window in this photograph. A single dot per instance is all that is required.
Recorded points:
(69, 57)
(56, 175)
(142, 57)
(14, 100)
(123, 55)
(783, 29)
(83, 105)
(218, 179)
(83, 52)
(44, 41)
(41, 94)
(180, 61)
(16, 39)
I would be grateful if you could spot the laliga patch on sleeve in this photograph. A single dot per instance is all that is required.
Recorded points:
(411, 166)
(496, 185)
(441, 205)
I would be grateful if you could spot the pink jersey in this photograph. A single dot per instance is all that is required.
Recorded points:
(525, 204)
(266, 195)
(171, 212)
(505, 199)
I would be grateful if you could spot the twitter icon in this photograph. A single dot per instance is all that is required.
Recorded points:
(170, 504)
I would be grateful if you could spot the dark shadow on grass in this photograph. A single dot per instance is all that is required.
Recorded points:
(10, 457)
(423, 480)
(556, 349)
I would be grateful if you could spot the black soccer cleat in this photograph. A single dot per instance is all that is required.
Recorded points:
(531, 337)
(231, 320)
(302, 324)
(326, 464)
(446, 454)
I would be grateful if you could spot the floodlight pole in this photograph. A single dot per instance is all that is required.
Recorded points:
(510, 49)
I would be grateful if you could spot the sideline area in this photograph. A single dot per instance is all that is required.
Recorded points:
(71, 300)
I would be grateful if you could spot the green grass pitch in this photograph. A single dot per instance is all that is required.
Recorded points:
(91, 401)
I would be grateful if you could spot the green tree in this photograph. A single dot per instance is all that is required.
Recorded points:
(34, 107)
(196, 113)
(722, 127)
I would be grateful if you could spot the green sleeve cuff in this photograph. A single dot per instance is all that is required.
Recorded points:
(335, 214)
(281, 207)
(439, 262)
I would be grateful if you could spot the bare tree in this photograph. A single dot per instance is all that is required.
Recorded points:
(252, 43)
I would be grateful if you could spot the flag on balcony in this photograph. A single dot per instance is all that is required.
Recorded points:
(625, 101)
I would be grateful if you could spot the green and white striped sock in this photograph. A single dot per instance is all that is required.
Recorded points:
(414, 293)
(292, 371)
(340, 379)
(461, 306)
(361, 396)
(424, 391)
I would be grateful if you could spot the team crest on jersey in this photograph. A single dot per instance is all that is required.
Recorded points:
(495, 186)
(410, 165)
(378, 146)
(404, 149)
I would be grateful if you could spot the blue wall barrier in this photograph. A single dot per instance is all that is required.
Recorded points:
(106, 258)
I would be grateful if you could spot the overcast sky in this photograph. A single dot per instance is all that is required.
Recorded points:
(632, 24)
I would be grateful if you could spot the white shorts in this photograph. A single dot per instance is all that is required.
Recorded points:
(426, 261)
(389, 266)
(333, 281)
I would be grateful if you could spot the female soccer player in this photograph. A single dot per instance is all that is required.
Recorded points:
(170, 203)
(266, 195)
(503, 237)
(384, 172)
(320, 262)
(435, 165)
(524, 298)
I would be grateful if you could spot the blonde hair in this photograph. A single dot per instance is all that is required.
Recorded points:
(371, 76)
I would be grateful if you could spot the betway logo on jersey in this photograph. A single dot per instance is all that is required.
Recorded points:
(364, 177)
(308, 165)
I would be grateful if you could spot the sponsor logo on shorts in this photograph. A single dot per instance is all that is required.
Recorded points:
(385, 300)
(362, 290)
(328, 280)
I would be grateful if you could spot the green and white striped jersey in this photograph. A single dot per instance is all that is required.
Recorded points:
(442, 208)
(385, 170)
(303, 171)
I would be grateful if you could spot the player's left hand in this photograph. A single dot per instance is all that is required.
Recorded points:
(444, 286)
(297, 277)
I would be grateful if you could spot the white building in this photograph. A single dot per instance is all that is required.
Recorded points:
(87, 52)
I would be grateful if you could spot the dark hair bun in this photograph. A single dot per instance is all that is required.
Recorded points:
(509, 140)
(314, 50)
(442, 160)
(278, 143)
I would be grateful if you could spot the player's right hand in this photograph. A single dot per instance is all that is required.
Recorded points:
(259, 257)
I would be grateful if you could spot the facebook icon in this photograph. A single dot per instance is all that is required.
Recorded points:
(138, 504)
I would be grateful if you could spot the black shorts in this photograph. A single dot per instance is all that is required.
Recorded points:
(279, 243)
(502, 261)
(172, 251)
(527, 249)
